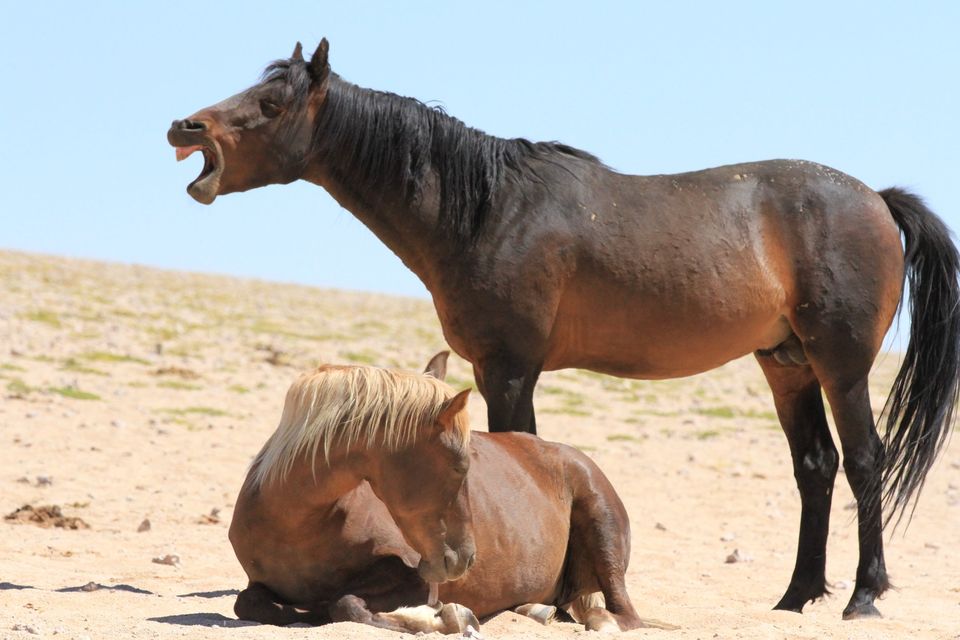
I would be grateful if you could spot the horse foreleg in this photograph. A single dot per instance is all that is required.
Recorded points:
(507, 385)
(447, 618)
(259, 604)
(598, 553)
(796, 394)
(542, 613)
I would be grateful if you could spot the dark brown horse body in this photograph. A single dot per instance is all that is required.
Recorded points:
(538, 257)
(329, 540)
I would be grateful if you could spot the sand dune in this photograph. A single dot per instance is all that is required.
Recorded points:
(133, 394)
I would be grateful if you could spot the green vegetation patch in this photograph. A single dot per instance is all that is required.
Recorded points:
(362, 357)
(264, 326)
(18, 387)
(202, 411)
(73, 392)
(106, 356)
(176, 384)
(42, 315)
(717, 412)
(71, 364)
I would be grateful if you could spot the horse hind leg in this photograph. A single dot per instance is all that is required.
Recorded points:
(260, 604)
(842, 362)
(862, 462)
(796, 394)
(597, 555)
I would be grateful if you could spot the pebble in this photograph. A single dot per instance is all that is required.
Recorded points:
(727, 537)
(29, 628)
(736, 556)
(171, 559)
(660, 527)
(44, 481)
(119, 424)
(144, 526)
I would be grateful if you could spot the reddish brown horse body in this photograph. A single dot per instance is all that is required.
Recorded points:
(354, 535)
(539, 257)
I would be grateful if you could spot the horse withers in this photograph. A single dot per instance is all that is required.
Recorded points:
(539, 257)
(373, 488)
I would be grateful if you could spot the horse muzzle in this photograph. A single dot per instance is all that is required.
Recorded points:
(451, 566)
(192, 135)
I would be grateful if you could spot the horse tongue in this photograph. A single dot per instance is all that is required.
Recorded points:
(184, 152)
(434, 596)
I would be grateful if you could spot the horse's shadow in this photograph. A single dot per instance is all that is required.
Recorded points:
(203, 620)
(222, 593)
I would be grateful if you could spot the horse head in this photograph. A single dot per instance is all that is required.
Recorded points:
(260, 136)
(426, 491)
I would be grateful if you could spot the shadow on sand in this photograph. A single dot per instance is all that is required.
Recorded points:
(96, 586)
(223, 593)
(203, 620)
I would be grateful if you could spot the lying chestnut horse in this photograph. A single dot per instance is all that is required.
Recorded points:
(373, 487)
(539, 257)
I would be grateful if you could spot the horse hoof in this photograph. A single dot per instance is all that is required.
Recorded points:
(783, 605)
(598, 619)
(456, 618)
(542, 613)
(865, 610)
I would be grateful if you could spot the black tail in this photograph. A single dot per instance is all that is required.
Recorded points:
(921, 404)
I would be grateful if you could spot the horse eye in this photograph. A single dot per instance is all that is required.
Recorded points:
(269, 109)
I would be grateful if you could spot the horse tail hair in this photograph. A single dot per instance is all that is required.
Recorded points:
(920, 408)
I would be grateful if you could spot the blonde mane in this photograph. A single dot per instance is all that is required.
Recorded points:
(343, 406)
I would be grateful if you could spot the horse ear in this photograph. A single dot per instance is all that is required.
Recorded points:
(451, 408)
(437, 367)
(297, 53)
(319, 67)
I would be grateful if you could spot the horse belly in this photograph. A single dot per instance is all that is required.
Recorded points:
(660, 329)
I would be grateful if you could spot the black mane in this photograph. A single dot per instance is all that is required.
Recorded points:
(395, 141)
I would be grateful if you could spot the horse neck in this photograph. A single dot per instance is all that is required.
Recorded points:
(402, 229)
(409, 229)
(320, 483)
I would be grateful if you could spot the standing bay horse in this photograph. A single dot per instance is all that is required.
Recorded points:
(372, 490)
(539, 257)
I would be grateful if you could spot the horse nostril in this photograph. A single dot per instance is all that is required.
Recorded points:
(194, 125)
(450, 561)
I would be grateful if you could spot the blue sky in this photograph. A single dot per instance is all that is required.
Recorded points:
(89, 91)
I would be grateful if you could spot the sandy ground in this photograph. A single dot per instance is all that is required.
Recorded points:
(132, 394)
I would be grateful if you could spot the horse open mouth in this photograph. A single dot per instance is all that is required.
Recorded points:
(205, 187)
(188, 137)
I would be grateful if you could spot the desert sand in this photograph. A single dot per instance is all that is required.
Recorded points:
(132, 394)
